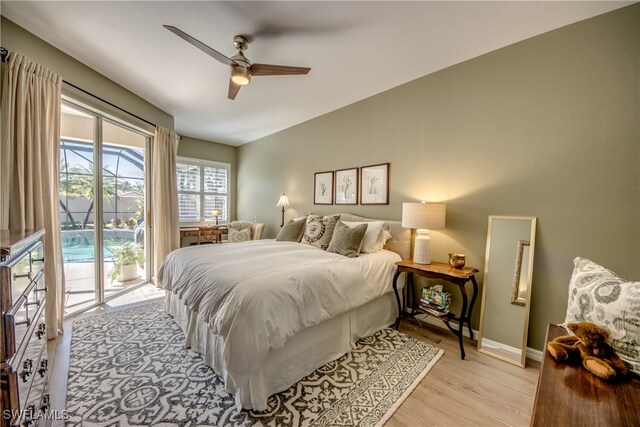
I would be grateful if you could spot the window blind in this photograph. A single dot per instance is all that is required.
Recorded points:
(202, 187)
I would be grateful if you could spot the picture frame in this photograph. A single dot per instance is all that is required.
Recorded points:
(374, 184)
(323, 188)
(346, 186)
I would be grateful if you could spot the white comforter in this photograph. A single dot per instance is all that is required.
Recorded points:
(257, 294)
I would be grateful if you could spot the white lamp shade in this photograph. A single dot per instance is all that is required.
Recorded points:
(430, 216)
(284, 201)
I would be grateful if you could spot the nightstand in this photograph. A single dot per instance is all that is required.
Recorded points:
(443, 271)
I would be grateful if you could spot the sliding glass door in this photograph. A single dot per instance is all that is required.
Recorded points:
(104, 237)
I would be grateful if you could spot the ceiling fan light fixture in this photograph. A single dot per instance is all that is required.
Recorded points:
(240, 75)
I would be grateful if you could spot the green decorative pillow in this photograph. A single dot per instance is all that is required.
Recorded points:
(292, 231)
(347, 240)
(600, 296)
(319, 230)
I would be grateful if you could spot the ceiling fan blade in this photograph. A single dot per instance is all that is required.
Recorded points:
(277, 70)
(203, 47)
(233, 90)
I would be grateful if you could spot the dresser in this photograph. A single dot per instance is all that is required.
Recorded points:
(568, 395)
(23, 354)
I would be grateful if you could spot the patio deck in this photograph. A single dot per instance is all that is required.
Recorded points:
(81, 287)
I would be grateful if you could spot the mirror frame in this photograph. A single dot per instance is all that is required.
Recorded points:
(526, 304)
(515, 288)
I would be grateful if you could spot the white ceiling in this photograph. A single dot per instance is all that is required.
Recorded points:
(355, 50)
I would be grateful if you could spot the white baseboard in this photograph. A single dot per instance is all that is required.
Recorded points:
(532, 353)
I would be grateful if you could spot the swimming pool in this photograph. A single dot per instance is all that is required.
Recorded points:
(78, 245)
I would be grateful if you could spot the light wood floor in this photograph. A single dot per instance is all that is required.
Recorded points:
(477, 391)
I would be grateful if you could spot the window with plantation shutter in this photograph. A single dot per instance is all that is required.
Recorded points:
(203, 186)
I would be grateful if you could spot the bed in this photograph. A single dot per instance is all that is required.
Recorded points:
(264, 314)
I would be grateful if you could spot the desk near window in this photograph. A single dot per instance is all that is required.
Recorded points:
(203, 233)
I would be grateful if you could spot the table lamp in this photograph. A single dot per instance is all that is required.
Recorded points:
(423, 217)
(217, 213)
(284, 202)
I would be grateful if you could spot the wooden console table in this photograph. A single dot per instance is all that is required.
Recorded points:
(204, 233)
(568, 395)
(443, 271)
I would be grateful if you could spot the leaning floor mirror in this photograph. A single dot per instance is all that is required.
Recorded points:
(506, 293)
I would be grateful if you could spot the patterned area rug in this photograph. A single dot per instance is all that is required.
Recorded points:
(130, 368)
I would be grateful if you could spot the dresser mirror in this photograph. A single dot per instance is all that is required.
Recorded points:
(506, 293)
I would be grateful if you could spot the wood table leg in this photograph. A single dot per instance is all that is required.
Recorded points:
(473, 301)
(463, 314)
(395, 290)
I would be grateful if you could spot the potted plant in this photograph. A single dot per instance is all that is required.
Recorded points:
(126, 259)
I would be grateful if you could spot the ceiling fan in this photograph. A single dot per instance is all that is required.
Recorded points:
(241, 68)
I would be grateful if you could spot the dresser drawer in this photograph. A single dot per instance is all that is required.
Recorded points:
(21, 317)
(30, 369)
(20, 271)
(20, 277)
(34, 403)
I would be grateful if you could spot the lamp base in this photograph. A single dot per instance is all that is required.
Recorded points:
(422, 247)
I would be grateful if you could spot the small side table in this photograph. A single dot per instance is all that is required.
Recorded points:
(438, 270)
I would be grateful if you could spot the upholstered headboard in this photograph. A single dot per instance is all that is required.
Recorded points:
(400, 241)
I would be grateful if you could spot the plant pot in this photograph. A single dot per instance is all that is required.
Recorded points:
(128, 272)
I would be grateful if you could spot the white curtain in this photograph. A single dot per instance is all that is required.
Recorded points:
(29, 168)
(164, 196)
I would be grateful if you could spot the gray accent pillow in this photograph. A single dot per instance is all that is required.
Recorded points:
(347, 240)
(292, 231)
(236, 235)
(600, 296)
(319, 230)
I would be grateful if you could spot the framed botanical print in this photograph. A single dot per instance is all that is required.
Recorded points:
(346, 192)
(374, 184)
(323, 188)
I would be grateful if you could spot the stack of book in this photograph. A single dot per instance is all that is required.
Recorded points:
(433, 309)
(435, 301)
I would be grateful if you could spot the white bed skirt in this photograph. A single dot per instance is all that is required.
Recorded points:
(303, 353)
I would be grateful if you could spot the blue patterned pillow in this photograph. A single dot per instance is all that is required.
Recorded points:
(600, 296)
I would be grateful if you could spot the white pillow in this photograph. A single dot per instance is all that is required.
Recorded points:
(373, 238)
(386, 236)
(381, 243)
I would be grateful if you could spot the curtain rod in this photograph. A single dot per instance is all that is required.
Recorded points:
(4, 52)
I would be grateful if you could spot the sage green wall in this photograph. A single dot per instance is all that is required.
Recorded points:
(547, 127)
(16, 38)
(207, 150)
